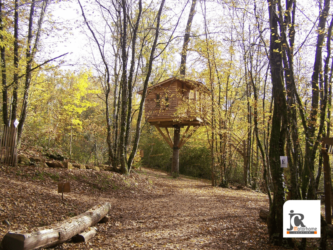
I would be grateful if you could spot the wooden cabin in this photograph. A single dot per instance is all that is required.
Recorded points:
(176, 102)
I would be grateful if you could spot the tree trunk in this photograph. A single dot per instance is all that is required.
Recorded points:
(30, 54)
(278, 130)
(308, 180)
(187, 39)
(145, 87)
(130, 79)
(175, 156)
(107, 91)
(16, 62)
(3, 72)
(58, 233)
(124, 92)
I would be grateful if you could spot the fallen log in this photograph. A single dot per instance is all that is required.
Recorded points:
(104, 220)
(263, 214)
(55, 234)
(84, 236)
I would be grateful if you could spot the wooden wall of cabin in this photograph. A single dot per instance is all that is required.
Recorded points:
(162, 101)
(174, 100)
(192, 101)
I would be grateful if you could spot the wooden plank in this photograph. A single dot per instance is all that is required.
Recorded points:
(327, 141)
(184, 135)
(64, 187)
(166, 129)
(163, 135)
(84, 236)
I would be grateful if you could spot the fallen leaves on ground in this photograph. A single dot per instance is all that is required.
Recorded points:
(150, 209)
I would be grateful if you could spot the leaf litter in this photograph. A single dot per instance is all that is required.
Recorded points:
(150, 209)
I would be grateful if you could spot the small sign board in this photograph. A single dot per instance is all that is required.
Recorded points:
(64, 187)
(284, 161)
(16, 123)
(142, 153)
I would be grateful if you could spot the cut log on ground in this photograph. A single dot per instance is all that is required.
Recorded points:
(263, 214)
(104, 220)
(55, 234)
(85, 236)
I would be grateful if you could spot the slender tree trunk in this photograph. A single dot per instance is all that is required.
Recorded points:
(187, 39)
(145, 87)
(124, 92)
(278, 130)
(212, 98)
(16, 61)
(255, 119)
(308, 180)
(3, 71)
(30, 54)
(130, 78)
(107, 91)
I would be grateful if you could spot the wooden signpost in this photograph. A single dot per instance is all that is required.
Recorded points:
(64, 187)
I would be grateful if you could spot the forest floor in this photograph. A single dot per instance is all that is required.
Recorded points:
(150, 209)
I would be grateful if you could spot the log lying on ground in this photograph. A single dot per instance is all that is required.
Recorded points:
(57, 233)
(85, 236)
(104, 220)
(263, 214)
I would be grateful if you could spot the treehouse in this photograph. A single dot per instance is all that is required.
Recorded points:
(176, 103)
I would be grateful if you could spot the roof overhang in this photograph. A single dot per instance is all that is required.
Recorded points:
(190, 83)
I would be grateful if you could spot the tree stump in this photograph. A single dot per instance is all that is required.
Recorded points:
(263, 214)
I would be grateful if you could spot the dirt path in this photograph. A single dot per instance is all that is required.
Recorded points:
(150, 210)
(189, 214)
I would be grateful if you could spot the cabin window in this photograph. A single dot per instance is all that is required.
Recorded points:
(191, 96)
(158, 100)
(166, 99)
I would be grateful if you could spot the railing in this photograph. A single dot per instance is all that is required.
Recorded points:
(8, 146)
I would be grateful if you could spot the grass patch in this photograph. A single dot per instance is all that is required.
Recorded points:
(39, 176)
(74, 177)
(71, 214)
(54, 177)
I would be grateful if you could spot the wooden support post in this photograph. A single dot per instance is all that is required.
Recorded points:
(185, 139)
(175, 158)
(164, 136)
(327, 185)
(184, 136)
(166, 129)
